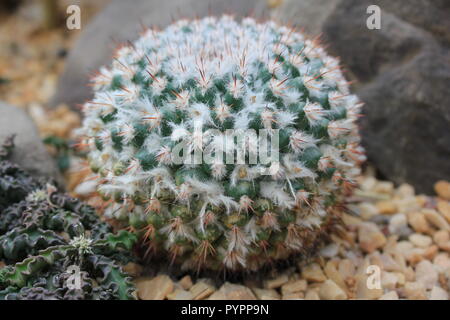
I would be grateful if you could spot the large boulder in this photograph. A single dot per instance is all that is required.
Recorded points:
(122, 21)
(29, 153)
(402, 73)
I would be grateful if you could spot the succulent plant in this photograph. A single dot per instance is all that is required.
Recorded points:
(45, 234)
(204, 87)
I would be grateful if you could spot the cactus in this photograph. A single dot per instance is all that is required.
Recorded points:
(199, 83)
(44, 233)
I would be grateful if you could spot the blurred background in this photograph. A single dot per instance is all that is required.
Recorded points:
(401, 71)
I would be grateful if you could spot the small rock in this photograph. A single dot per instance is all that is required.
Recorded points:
(232, 291)
(442, 262)
(405, 191)
(436, 219)
(266, 294)
(133, 269)
(346, 268)
(437, 293)
(420, 240)
(442, 239)
(332, 273)
(419, 222)
(444, 208)
(294, 296)
(367, 210)
(186, 282)
(276, 283)
(426, 274)
(202, 290)
(397, 222)
(385, 187)
(329, 290)
(442, 189)
(389, 280)
(391, 295)
(314, 273)
(330, 251)
(370, 237)
(154, 289)
(180, 294)
(294, 286)
(312, 295)
(386, 207)
(363, 291)
(414, 291)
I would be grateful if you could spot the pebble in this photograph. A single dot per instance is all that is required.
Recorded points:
(419, 223)
(426, 274)
(367, 210)
(266, 294)
(294, 286)
(363, 292)
(436, 219)
(312, 295)
(386, 187)
(230, 291)
(154, 289)
(397, 223)
(180, 294)
(329, 290)
(442, 239)
(313, 273)
(405, 191)
(437, 293)
(389, 280)
(370, 237)
(276, 283)
(294, 296)
(202, 290)
(442, 189)
(386, 207)
(391, 295)
(414, 291)
(186, 282)
(444, 208)
(442, 262)
(420, 240)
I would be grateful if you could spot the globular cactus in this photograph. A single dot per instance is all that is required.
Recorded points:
(198, 84)
(43, 234)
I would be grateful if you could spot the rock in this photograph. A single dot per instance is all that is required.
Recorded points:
(386, 187)
(414, 291)
(402, 72)
(363, 292)
(30, 153)
(370, 237)
(442, 239)
(405, 191)
(330, 251)
(441, 262)
(312, 295)
(331, 271)
(154, 289)
(437, 293)
(121, 21)
(426, 274)
(277, 282)
(133, 269)
(397, 223)
(313, 272)
(230, 291)
(186, 282)
(436, 219)
(389, 280)
(386, 207)
(329, 290)
(391, 295)
(419, 223)
(444, 209)
(442, 189)
(420, 241)
(180, 294)
(293, 296)
(294, 286)
(266, 294)
(202, 290)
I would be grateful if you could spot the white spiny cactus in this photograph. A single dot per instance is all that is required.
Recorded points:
(187, 85)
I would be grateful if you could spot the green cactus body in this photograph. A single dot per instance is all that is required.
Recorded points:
(198, 84)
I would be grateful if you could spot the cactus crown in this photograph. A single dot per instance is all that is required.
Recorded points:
(189, 85)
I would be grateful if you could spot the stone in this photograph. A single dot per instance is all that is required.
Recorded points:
(426, 274)
(414, 291)
(154, 288)
(370, 237)
(294, 286)
(444, 208)
(30, 153)
(386, 187)
(231, 291)
(389, 280)
(386, 207)
(363, 292)
(330, 251)
(186, 282)
(442, 189)
(313, 272)
(329, 290)
(442, 262)
(277, 282)
(405, 191)
(391, 295)
(442, 239)
(397, 223)
(293, 296)
(180, 294)
(121, 21)
(436, 219)
(419, 223)
(312, 295)
(133, 269)
(266, 294)
(331, 271)
(437, 293)
(420, 240)
(202, 290)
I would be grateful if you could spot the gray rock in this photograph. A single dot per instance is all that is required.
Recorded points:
(122, 21)
(29, 153)
(402, 73)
